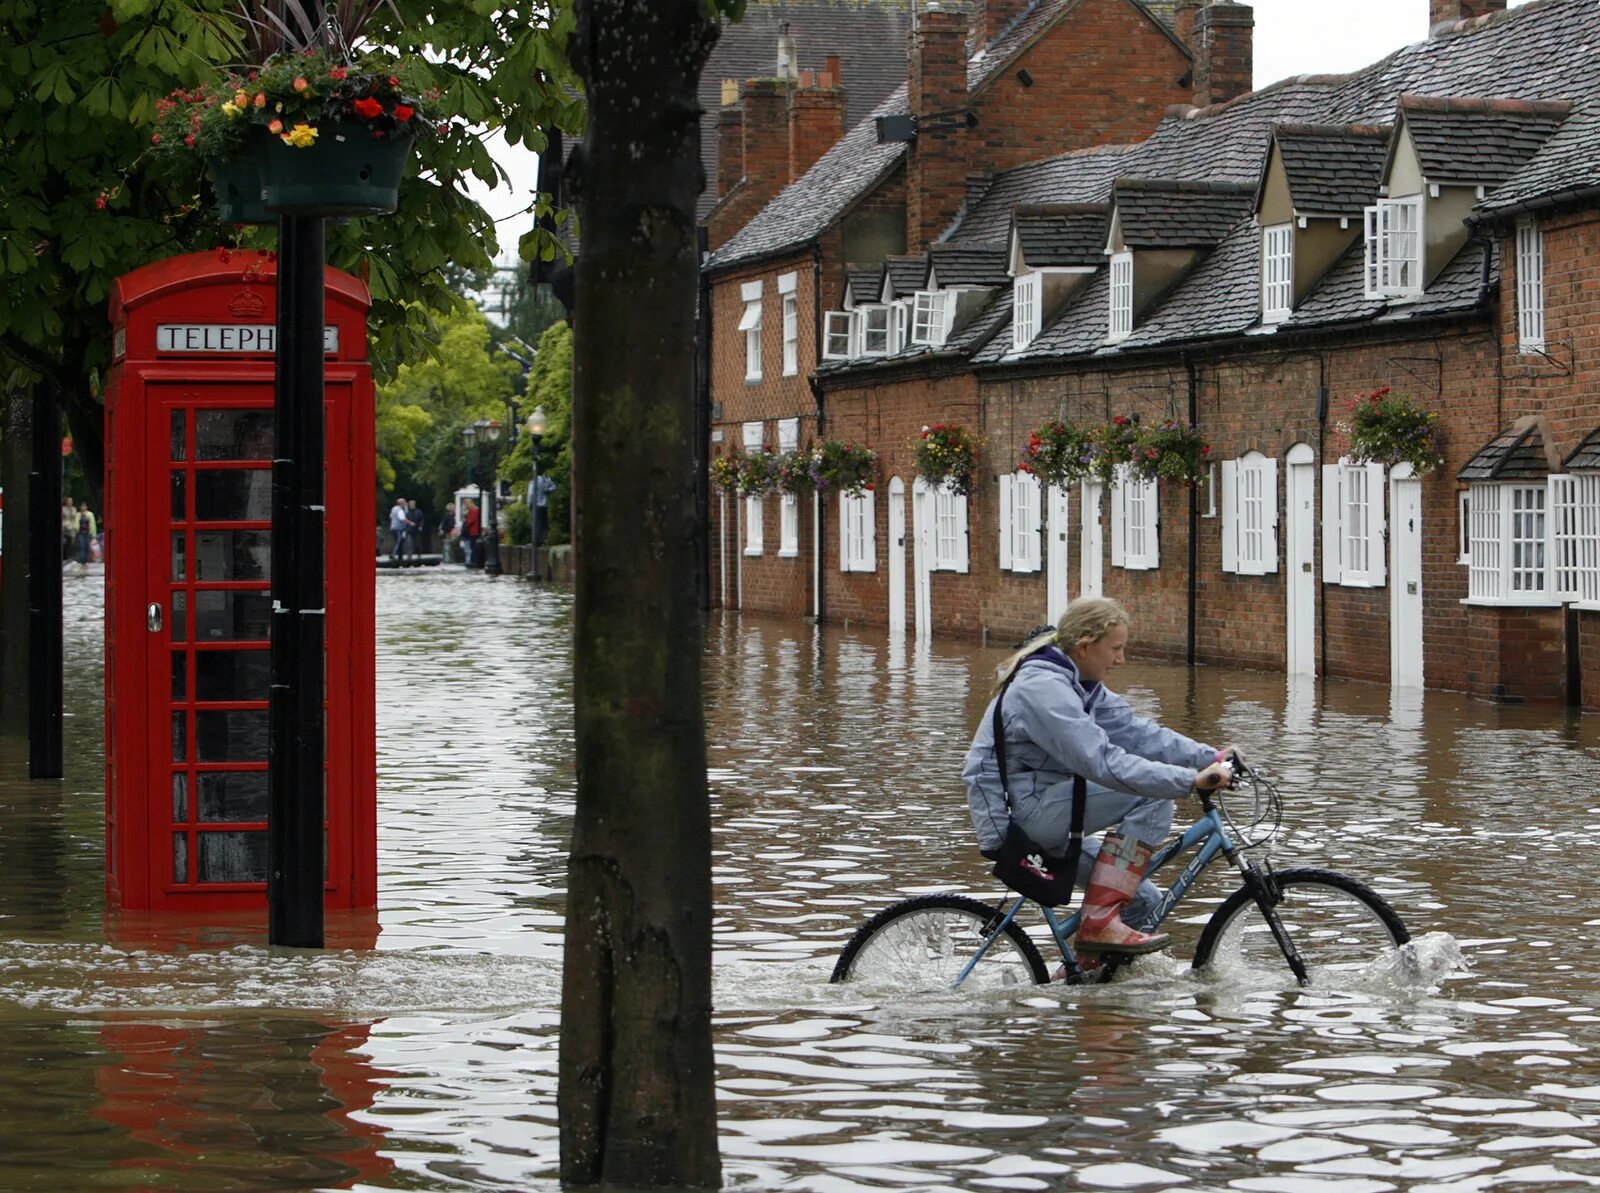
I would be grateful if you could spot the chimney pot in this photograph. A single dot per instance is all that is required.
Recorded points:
(835, 69)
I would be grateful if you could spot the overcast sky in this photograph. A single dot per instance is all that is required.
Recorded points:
(1292, 37)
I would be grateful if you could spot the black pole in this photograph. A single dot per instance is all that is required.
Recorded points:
(540, 510)
(295, 750)
(702, 425)
(491, 563)
(44, 587)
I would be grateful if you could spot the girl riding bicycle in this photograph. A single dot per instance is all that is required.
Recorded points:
(1061, 722)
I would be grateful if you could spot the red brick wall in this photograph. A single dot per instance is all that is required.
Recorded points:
(937, 161)
(1589, 657)
(816, 121)
(1104, 75)
(1224, 52)
(1515, 655)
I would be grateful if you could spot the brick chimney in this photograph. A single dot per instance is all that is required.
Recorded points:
(730, 139)
(1183, 17)
(816, 117)
(990, 18)
(936, 167)
(1224, 34)
(766, 138)
(1442, 14)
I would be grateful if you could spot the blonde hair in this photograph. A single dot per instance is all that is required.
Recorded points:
(1087, 619)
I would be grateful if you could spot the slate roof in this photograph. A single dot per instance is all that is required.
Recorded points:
(1332, 169)
(1069, 234)
(865, 285)
(869, 36)
(969, 264)
(1478, 141)
(1587, 457)
(906, 274)
(1567, 166)
(1166, 214)
(1511, 455)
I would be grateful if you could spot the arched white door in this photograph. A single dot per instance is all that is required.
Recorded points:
(922, 555)
(1300, 581)
(1405, 577)
(897, 556)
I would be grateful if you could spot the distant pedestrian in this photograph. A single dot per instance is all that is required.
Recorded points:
(397, 528)
(85, 536)
(69, 527)
(447, 531)
(540, 488)
(415, 532)
(470, 528)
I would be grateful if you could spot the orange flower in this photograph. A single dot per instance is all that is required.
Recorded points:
(300, 83)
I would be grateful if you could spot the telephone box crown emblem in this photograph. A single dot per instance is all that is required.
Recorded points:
(247, 304)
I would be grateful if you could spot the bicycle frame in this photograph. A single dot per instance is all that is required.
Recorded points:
(1208, 836)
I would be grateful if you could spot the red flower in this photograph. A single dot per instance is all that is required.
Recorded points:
(1120, 420)
(403, 112)
(100, 202)
(393, 82)
(869, 488)
(1205, 449)
(338, 72)
(368, 107)
(155, 138)
(1151, 453)
(189, 140)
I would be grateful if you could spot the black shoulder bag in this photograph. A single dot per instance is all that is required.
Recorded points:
(1022, 864)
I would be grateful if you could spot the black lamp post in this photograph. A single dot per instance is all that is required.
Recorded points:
(490, 430)
(537, 506)
(470, 434)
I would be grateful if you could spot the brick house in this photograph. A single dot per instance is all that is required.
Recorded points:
(1429, 224)
(988, 86)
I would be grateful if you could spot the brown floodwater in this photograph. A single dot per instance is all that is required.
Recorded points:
(172, 1056)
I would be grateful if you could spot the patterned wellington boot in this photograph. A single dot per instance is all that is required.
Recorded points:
(1116, 876)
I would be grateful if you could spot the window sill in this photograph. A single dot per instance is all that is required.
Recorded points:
(749, 380)
(752, 552)
(1543, 602)
(1586, 606)
(789, 553)
(1022, 571)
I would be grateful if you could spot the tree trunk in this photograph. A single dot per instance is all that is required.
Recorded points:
(15, 462)
(637, 1098)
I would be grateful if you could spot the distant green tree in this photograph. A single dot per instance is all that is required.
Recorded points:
(550, 386)
(531, 306)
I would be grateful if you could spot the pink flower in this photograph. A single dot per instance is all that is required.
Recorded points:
(300, 83)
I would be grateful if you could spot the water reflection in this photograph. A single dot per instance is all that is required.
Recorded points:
(420, 1052)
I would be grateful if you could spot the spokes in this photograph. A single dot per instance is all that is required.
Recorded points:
(928, 949)
(1335, 932)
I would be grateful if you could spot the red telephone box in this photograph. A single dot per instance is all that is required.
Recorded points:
(189, 437)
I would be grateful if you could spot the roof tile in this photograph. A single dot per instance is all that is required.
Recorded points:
(1060, 235)
(1478, 141)
(1514, 454)
(1332, 169)
(1165, 214)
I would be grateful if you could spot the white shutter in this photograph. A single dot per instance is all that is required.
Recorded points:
(1377, 554)
(844, 532)
(869, 532)
(1332, 521)
(1230, 515)
(1006, 482)
(1152, 524)
(962, 555)
(1118, 496)
(1269, 513)
(1031, 503)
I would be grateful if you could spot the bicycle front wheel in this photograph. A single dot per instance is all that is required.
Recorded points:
(925, 943)
(1339, 927)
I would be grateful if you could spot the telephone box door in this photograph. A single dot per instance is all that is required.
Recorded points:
(206, 640)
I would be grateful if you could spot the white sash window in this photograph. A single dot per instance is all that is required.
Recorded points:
(838, 335)
(789, 503)
(858, 550)
(750, 325)
(1353, 525)
(1394, 248)
(930, 317)
(1525, 542)
(1026, 314)
(872, 325)
(1530, 287)
(1277, 273)
(1121, 296)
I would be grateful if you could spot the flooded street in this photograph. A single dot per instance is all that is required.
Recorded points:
(424, 1056)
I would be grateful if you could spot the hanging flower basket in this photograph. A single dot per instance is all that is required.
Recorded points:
(1112, 445)
(756, 477)
(726, 469)
(843, 467)
(1388, 428)
(1172, 451)
(947, 454)
(346, 170)
(791, 472)
(1058, 453)
(237, 181)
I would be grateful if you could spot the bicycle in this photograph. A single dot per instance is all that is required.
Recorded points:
(1336, 921)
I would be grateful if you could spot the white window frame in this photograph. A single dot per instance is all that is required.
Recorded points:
(1021, 505)
(1121, 317)
(1394, 248)
(838, 335)
(789, 503)
(1135, 523)
(1026, 296)
(1513, 542)
(930, 317)
(872, 330)
(791, 335)
(753, 435)
(949, 530)
(1250, 515)
(858, 549)
(1208, 508)
(1354, 546)
(1585, 538)
(899, 325)
(1530, 286)
(1277, 273)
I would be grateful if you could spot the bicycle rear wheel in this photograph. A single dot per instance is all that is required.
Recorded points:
(925, 943)
(1339, 927)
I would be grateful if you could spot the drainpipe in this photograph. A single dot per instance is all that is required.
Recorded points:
(818, 508)
(1322, 586)
(1194, 517)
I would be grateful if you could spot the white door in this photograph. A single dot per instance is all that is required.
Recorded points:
(1300, 591)
(1090, 544)
(922, 555)
(1405, 578)
(897, 556)
(1056, 555)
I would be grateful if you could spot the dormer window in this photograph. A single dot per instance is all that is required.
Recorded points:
(1121, 296)
(899, 325)
(1026, 314)
(930, 317)
(872, 326)
(838, 335)
(1277, 273)
(1394, 248)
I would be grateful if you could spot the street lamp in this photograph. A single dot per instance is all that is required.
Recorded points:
(490, 430)
(537, 496)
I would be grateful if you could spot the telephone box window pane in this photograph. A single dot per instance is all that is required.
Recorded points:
(238, 495)
(233, 857)
(180, 797)
(180, 737)
(233, 555)
(177, 435)
(180, 507)
(180, 676)
(231, 616)
(232, 674)
(233, 435)
(180, 857)
(180, 558)
(232, 796)
(180, 616)
(235, 735)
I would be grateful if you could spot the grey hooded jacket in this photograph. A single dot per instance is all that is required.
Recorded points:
(1056, 727)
